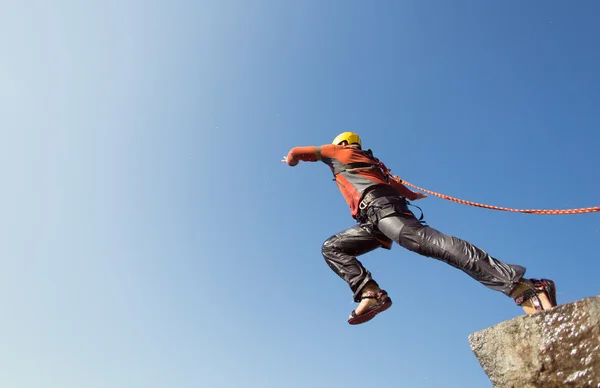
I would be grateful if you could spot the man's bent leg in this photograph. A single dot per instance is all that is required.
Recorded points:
(340, 252)
(411, 234)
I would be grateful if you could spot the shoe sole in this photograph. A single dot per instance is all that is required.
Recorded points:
(362, 318)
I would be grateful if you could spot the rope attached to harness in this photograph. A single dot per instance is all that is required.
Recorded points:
(530, 211)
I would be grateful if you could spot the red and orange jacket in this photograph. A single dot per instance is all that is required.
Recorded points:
(348, 165)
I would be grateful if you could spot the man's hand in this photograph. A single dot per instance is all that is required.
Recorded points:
(289, 160)
(419, 196)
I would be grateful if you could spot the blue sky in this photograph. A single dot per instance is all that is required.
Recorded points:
(153, 238)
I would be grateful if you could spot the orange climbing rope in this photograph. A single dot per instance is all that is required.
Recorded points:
(531, 211)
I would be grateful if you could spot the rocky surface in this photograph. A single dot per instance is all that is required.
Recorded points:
(555, 348)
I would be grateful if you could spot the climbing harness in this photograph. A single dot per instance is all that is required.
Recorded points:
(530, 211)
(420, 219)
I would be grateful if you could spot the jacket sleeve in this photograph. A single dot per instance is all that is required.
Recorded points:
(311, 153)
(396, 183)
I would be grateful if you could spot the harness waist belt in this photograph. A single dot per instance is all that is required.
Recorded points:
(377, 192)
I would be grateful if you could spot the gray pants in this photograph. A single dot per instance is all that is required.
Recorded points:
(388, 219)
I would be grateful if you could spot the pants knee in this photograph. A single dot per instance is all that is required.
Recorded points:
(329, 247)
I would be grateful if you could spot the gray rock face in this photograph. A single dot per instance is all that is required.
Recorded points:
(555, 348)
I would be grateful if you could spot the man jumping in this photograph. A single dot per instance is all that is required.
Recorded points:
(378, 202)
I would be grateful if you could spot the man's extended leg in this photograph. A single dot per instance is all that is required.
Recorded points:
(407, 231)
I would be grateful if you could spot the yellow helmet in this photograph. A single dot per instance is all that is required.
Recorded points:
(350, 137)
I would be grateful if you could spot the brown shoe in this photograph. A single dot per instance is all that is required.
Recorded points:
(383, 303)
(534, 287)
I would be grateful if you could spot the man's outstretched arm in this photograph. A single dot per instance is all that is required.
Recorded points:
(307, 154)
